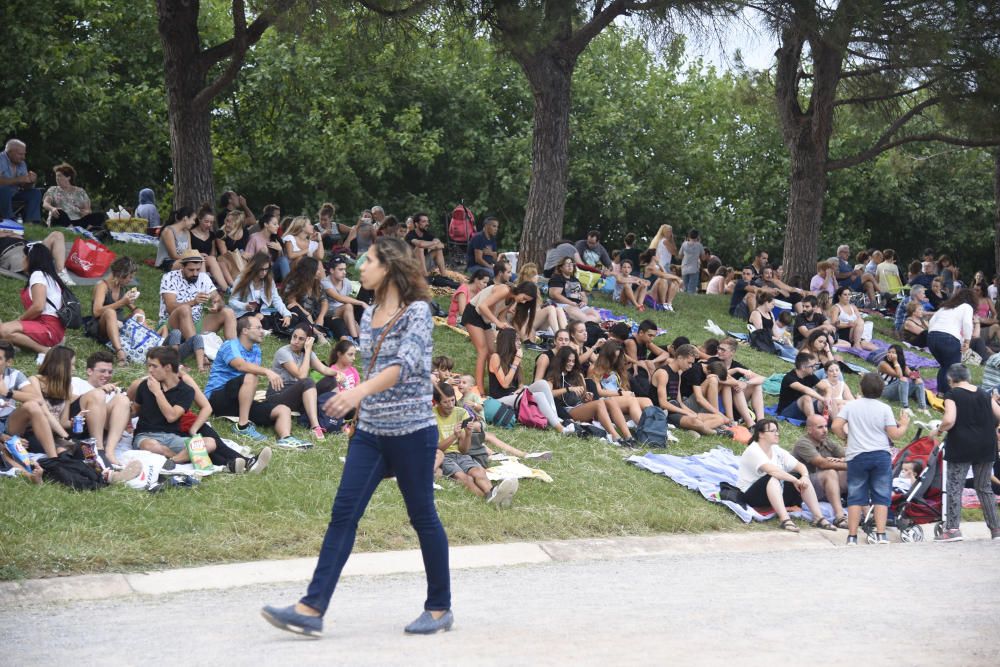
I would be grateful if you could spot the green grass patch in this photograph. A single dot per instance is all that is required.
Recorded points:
(51, 531)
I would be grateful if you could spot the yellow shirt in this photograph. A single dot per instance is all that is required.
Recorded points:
(446, 425)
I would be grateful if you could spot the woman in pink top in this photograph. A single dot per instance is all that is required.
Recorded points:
(465, 293)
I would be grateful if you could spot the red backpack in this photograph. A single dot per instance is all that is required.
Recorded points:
(462, 225)
(528, 412)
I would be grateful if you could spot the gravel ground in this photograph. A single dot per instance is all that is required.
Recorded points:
(921, 604)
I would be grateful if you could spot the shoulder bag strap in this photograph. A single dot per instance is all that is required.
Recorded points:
(378, 344)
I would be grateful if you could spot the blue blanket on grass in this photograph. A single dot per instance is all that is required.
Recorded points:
(704, 472)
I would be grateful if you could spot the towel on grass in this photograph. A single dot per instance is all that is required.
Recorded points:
(704, 472)
(913, 360)
(772, 411)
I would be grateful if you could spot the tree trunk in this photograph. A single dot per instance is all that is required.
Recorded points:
(807, 187)
(996, 210)
(191, 154)
(550, 77)
(806, 133)
(185, 74)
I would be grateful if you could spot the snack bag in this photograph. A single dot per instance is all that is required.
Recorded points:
(198, 454)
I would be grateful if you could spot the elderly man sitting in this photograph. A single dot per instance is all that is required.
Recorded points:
(823, 457)
(17, 183)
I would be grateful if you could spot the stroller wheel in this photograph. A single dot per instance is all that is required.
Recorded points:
(938, 528)
(871, 538)
(912, 534)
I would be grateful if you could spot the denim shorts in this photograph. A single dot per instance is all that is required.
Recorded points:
(172, 441)
(869, 479)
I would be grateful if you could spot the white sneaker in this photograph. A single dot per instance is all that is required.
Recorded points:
(66, 278)
(569, 429)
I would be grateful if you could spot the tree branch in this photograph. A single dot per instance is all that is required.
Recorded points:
(254, 32)
(592, 28)
(236, 48)
(882, 98)
(239, 41)
(966, 142)
(878, 146)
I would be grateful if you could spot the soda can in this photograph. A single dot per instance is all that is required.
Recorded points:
(78, 424)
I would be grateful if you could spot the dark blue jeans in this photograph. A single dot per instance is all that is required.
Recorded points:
(410, 458)
(947, 350)
(30, 197)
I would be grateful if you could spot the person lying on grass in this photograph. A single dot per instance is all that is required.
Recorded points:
(461, 456)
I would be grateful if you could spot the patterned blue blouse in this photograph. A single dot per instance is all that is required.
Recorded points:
(406, 406)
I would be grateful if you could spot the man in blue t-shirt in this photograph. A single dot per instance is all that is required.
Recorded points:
(482, 252)
(232, 384)
(17, 183)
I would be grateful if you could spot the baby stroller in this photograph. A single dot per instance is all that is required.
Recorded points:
(924, 501)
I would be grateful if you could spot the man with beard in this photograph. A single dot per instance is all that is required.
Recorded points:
(190, 302)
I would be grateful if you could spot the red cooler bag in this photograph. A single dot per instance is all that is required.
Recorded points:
(89, 259)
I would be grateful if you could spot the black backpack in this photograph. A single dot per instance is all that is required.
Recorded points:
(73, 472)
(70, 313)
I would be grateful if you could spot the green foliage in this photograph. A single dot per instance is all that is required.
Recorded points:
(83, 83)
(332, 107)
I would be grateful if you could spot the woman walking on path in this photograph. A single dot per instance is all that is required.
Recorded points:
(396, 435)
(970, 422)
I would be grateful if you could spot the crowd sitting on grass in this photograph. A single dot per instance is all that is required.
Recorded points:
(591, 376)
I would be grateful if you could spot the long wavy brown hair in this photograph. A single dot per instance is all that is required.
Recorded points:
(402, 270)
(250, 274)
(56, 373)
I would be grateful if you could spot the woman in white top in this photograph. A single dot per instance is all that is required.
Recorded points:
(301, 239)
(950, 332)
(769, 475)
(664, 245)
(837, 393)
(847, 318)
(255, 292)
(39, 327)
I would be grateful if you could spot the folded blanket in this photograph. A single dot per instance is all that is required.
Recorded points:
(704, 472)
